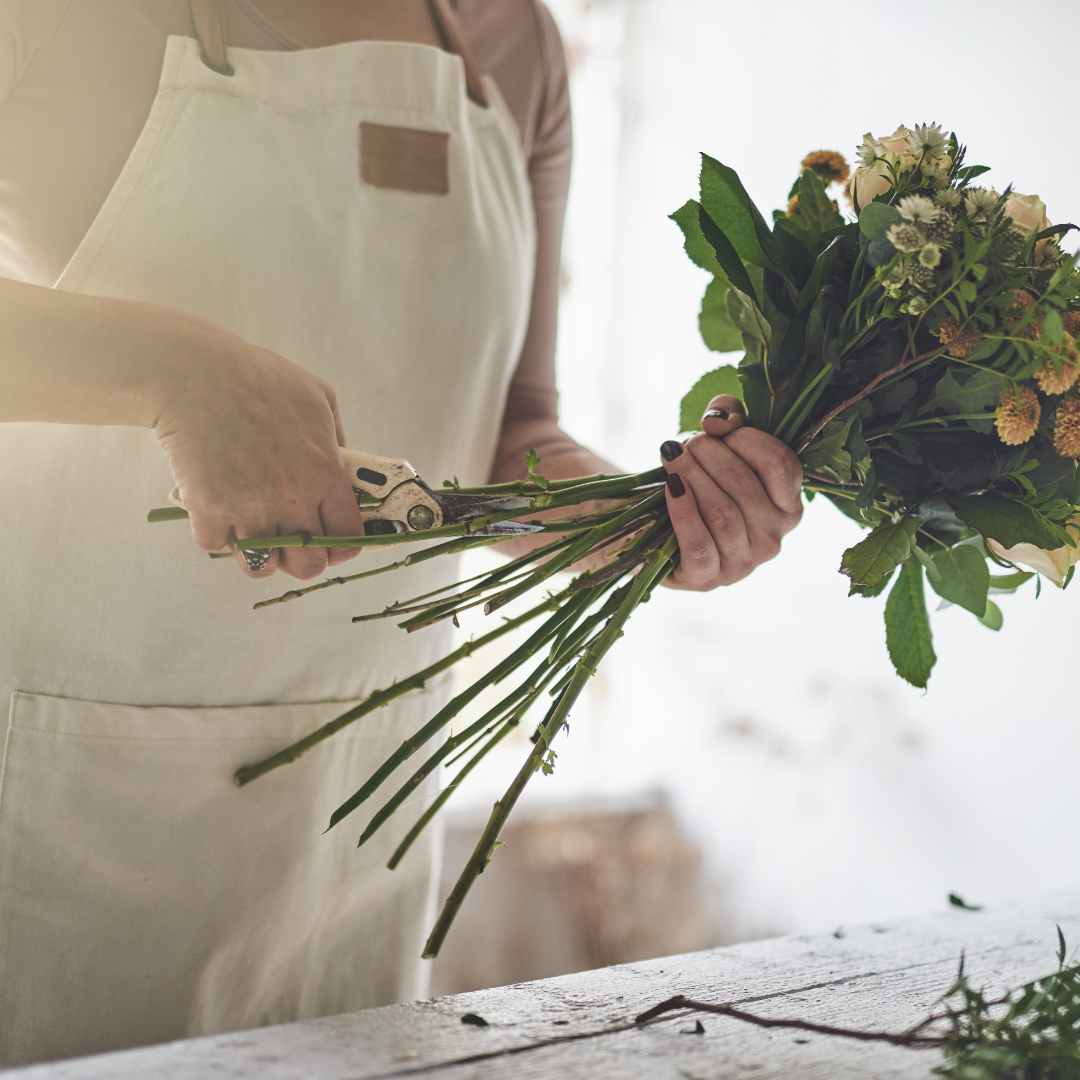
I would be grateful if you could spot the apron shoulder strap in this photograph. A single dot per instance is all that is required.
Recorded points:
(446, 21)
(209, 19)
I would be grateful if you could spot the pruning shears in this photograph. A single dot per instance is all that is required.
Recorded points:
(393, 498)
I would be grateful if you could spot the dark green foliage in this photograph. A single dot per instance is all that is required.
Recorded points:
(879, 349)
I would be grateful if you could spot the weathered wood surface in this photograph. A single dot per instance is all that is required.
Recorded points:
(884, 977)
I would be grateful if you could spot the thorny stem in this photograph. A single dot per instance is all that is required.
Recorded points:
(866, 391)
(410, 745)
(657, 566)
(379, 698)
(908, 1039)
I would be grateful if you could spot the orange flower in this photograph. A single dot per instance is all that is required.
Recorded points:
(1060, 376)
(1017, 416)
(958, 344)
(828, 164)
(1072, 322)
(1067, 428)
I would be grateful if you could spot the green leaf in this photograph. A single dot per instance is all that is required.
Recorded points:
(755, 393)
(828, 452)
(694, 243)
(726, 255)
(723, 380)
(1006, 520)
(1009, 583)
(731, 208)
(992, 618)
(958, 901)
(532, 461)
(815, 213)
(959, 575)
(747, 316)
(717, 329)
(876, 218)
(878, 555)
(966, 394)
(907, 627)
(1053, 329)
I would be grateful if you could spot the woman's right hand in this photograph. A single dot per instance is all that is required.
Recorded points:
(253, 441)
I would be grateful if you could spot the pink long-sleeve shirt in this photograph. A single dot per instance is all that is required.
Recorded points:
(77, 80)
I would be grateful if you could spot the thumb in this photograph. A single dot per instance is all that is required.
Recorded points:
(723, 415)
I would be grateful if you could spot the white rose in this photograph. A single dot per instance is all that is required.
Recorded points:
(898, 147)
(1028, 212)
(1053, 565)
(872, 179)
(868, 182)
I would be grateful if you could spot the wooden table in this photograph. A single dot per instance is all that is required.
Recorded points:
(882, 976)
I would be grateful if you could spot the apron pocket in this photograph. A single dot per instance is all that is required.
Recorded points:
(144, 897)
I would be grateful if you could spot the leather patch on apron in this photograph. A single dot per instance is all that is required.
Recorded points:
(405, 159)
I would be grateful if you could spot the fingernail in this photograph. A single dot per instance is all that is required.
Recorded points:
(670, 450)
(675, 485)
(717, 414)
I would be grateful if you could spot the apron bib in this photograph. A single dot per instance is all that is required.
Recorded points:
(364, 210)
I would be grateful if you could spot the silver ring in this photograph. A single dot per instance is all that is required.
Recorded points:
(256, 560)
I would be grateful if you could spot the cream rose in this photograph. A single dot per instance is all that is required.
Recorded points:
(1028, 212)
(871, 180)
(867, 183)
(1053, 565)
(897, 146)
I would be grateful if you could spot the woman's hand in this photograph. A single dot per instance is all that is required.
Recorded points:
(733, 493)
(253, 442)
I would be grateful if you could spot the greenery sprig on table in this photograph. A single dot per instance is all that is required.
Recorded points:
(921, 359)
(1029, 1033)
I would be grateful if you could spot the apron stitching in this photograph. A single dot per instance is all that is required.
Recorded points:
(187, 741)
(7, 745)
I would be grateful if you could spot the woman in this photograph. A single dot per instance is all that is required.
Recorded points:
(233, 230)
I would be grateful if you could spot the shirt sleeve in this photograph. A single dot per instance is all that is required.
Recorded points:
(532, 391)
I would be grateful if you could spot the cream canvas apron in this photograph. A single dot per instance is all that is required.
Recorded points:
(143, 897)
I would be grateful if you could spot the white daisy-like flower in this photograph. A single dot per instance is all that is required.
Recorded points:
(905, 237)
(980, 201)
(930, 256)
(950, 198)
(870, 150)
(918, 209)
(928, 140)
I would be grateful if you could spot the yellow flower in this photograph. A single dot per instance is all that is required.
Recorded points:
(1057, 377)
(959, 344)
(831, 166)
(1017, 416)
(1067, 428)
(1053, 565)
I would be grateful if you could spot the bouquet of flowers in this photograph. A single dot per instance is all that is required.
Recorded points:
(921, 357)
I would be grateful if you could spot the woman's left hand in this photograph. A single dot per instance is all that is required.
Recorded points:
(733, 493)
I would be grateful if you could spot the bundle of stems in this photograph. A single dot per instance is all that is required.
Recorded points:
(621, 531)
(630, 549)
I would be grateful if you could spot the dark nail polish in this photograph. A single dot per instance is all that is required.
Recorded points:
(675, 485)
(670, 450)
(717, 414)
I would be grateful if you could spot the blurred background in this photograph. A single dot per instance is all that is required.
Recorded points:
(746, 763)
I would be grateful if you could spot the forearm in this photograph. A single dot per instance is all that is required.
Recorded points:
(68, 358)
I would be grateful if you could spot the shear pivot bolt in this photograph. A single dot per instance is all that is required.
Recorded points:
(421, 517)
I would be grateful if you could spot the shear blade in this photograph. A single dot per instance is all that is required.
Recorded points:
(465, 507)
